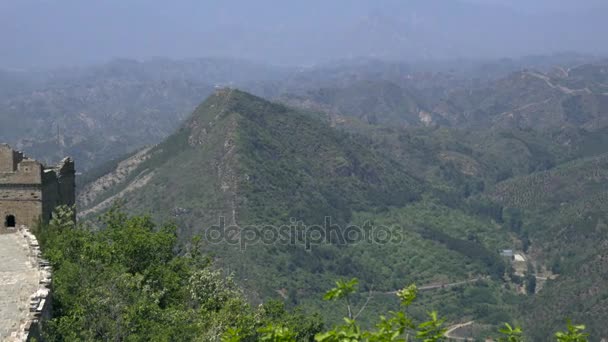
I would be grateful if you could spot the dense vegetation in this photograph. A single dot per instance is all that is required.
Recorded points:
(130, 282)
(564, 216)
(270, 163)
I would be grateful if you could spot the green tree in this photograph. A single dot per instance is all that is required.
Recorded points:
(510, 334)
(124, 281)
(573, 333)
(343, 290)
(530, 280)
(397, 326)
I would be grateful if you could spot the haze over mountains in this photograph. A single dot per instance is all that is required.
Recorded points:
(102, 112)
(473, 132)
(49, 33)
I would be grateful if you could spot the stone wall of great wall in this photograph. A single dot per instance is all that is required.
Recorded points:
(30, 191)
(25, 287)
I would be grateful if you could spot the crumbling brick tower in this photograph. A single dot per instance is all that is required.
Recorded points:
(29, 191)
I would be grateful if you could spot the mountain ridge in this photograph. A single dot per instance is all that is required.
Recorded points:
(244, 121)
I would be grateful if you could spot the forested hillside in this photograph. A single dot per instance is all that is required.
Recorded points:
(487, 193)
(249, 164)
(131, 281)
(564, 216)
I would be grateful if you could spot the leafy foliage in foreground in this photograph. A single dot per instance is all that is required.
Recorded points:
(399, 326)
(126, 282)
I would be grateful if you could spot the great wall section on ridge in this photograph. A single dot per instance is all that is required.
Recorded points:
(29, 192)
(25, 286)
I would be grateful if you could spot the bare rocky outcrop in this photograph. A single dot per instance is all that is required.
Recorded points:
(92, 191)
(226, 170)
(140, 181)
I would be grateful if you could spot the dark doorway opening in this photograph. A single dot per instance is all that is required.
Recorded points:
(10, 221)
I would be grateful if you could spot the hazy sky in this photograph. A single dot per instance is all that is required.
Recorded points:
(67, 32)
(545, 5)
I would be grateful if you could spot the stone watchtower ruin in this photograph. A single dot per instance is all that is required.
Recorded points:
(30, 191)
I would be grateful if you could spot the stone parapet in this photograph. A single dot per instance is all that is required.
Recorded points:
(40, 299)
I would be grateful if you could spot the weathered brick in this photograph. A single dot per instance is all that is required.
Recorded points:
(29, 191)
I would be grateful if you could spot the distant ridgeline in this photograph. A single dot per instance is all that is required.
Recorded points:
(30, 191)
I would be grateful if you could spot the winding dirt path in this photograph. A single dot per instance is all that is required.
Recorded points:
(448, 333)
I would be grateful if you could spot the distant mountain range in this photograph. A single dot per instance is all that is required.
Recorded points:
(558, 98)
(100, 113)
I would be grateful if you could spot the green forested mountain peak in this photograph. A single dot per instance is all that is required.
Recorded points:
(245, 161)
(261, 161)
